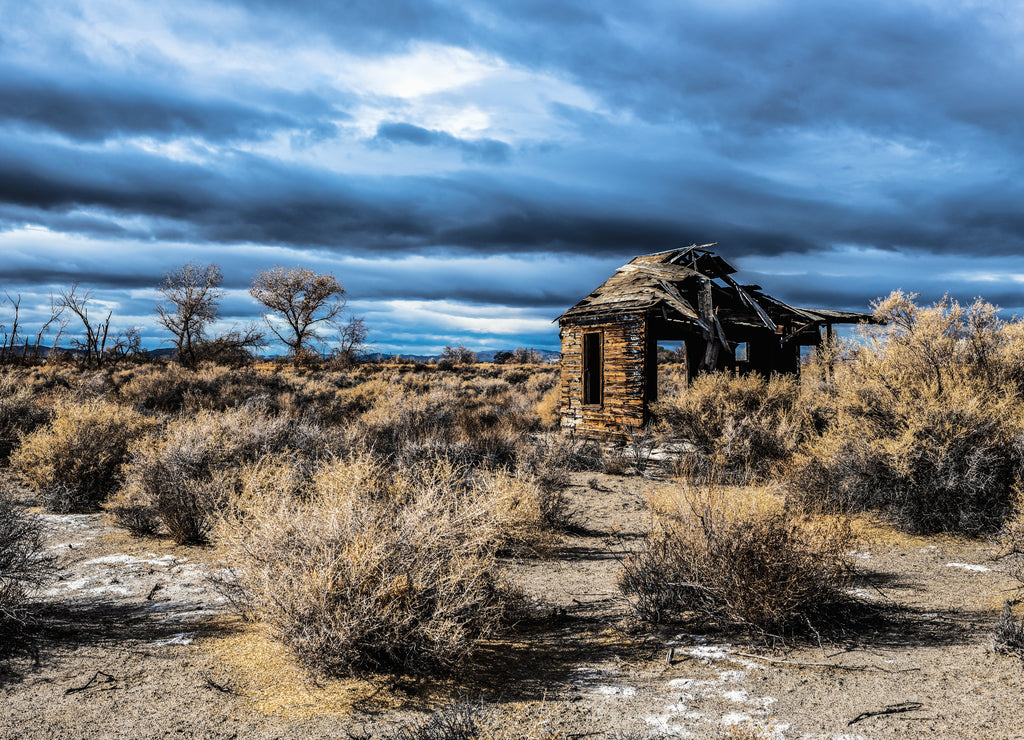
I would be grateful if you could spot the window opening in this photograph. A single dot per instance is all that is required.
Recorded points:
(592, 369)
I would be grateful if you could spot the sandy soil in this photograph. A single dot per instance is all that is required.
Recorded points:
(137, 642)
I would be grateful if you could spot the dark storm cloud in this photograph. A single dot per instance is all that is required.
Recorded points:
(246, 198)
(91, 110)
(104, 279)
(490, 151)
(887, 67)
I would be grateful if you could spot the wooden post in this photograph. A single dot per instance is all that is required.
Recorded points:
(707, 312)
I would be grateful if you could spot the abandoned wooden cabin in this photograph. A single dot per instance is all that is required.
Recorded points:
(610, 338)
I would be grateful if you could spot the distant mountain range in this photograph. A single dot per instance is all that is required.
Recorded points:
(484, 355)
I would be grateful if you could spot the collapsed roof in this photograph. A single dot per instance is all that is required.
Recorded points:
(677, 283)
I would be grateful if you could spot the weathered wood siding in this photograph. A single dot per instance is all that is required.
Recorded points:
(625, 355)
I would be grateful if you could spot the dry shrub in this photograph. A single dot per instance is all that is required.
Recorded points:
(476, 420)
(755, 567)
(363, 571)
(453, 722)
(24, 563)
(521, 510)
(615, 463)
(20, 413)
(187, 473)
(549, 408)
(742, 428)
(930, 464)
(171, 388)
(465, 721)
(1008, 636)
(76, 460)
(926, 421)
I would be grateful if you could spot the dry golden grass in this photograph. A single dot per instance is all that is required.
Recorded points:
(872, 531)
(77, 459)
(732, 500)
(264, 671)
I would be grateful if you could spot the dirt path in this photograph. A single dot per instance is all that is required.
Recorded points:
(136, 642)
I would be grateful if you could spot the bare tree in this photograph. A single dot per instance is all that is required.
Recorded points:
(58, 317)
(526, 355)
(95, 342)
(127, 344)
(191, 293)
(459, 355)
(303, 299)
(351, 339)
(231, 348)
(10, 340)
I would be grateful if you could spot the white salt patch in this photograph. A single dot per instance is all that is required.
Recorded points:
(726, 676)
(968, 566)
(131, 560)
(738, 695)
(860, 555)
(75, 585)
(182, 638)
(623, 691)
(688, 683)
(664, 725)
(862, 593)
(735, 718)
(677, 708)
(71, 521)
(709, 652)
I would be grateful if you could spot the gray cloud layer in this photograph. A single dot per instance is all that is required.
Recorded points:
(771, 128)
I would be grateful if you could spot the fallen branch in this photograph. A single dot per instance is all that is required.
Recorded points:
(225, 689)
(107, 678)
(907, 706)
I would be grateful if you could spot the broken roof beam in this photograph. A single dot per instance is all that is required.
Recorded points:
(676, 300)
(749, 299)
(663, 270)
(786, 308)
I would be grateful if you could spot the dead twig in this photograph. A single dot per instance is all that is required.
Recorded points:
(95, 680)
(224, 689)
(907, 706)
(152, 591)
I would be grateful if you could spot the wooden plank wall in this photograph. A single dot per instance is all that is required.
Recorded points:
(624, 356)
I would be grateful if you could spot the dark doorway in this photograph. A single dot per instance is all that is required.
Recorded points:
(593, 378)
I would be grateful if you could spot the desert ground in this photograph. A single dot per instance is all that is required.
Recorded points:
(422, 552)
(137, 641)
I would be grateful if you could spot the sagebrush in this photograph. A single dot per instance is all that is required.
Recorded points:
(368, 571)
(760, 568)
